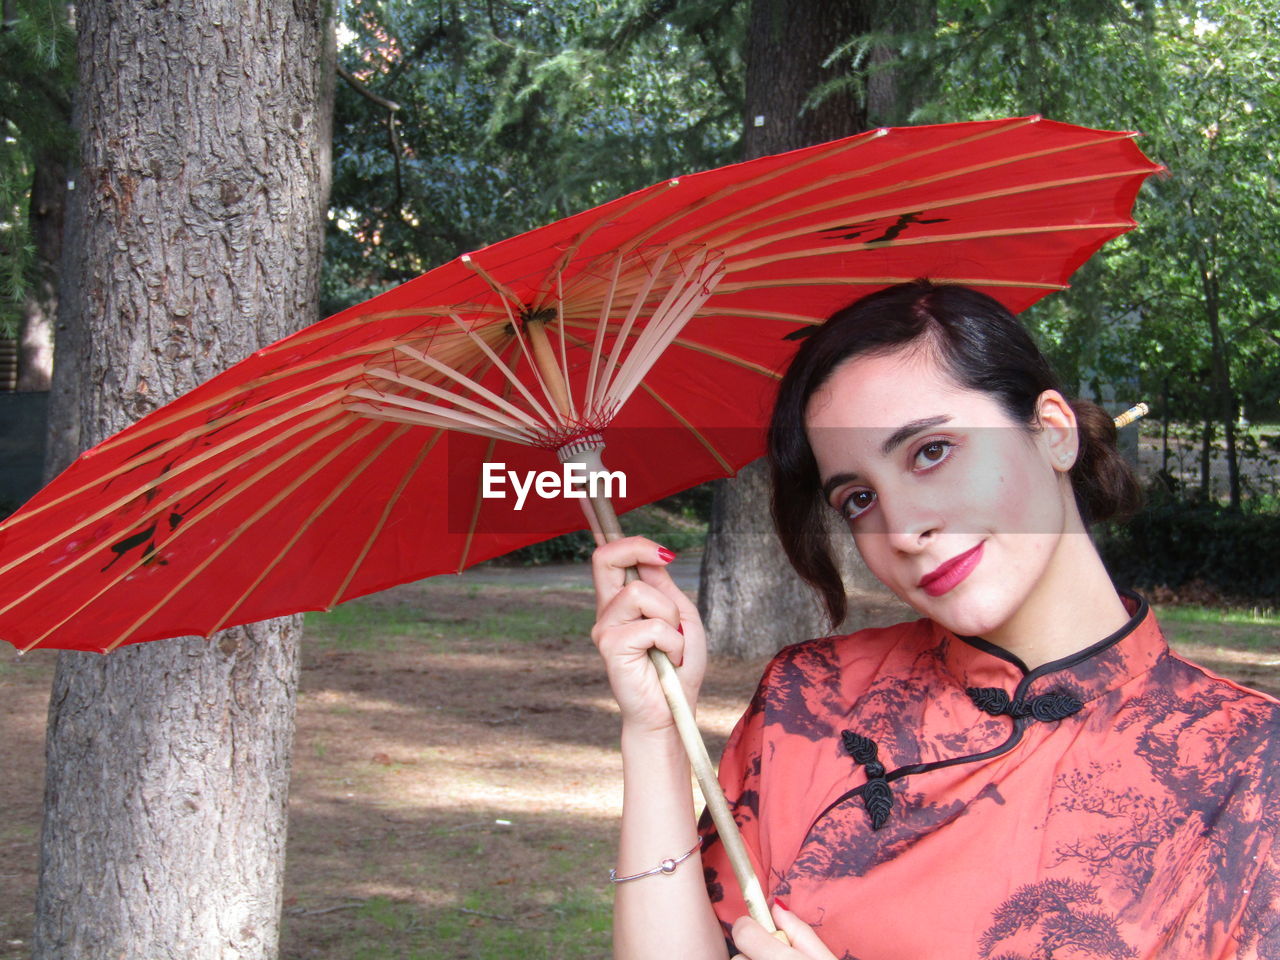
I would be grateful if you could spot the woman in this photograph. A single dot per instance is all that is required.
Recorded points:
(1027, 771)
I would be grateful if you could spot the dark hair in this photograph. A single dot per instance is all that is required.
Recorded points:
(983, 347)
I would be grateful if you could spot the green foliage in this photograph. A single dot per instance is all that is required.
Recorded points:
(37, 69)
(1173, 544)
(510, 115)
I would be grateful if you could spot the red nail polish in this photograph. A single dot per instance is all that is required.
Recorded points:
(665, 555)
(779, 903)
(680, 629)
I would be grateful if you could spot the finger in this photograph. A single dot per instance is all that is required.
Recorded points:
(610, 561)
(639, 600)
(757, 943)
(637, 638)
(800, 934)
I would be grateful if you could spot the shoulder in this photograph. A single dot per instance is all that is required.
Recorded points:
(1207, 736)
(822, 659)
(1201, 696)
(808, 687)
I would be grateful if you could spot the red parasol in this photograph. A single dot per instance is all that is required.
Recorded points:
(347, 458)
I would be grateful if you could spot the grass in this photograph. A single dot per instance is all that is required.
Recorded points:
(1237, 629)
(372, 626)
(574, 925)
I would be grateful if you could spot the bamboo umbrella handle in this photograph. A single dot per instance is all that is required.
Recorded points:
(587, 452)
(691, 737)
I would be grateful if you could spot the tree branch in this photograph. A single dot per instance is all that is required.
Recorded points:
(393, 136)
(364, 91)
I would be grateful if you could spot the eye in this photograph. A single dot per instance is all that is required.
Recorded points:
(857, 503)
(933, 453)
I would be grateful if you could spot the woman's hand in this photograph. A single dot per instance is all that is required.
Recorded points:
(633, 617)
(756, 943)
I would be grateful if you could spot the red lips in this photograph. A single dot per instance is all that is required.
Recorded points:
(951, 572)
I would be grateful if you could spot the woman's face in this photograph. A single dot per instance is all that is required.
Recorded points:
(953, 506)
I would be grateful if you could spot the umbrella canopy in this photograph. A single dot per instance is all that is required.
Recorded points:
(348, 457)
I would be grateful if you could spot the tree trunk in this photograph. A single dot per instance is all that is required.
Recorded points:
(70, 345)
(1223, 396)
(48, 202)
(204, 134)
(750, 599)
(1206, 459)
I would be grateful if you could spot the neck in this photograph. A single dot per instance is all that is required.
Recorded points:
(1073, 605)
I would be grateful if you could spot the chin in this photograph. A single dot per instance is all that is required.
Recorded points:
(967, 616)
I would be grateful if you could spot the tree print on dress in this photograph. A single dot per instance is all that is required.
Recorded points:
(1054, 920)
(843, 843)
(1223, 778)
(746, 811)
(804, 690)
(1130, 825)
(1260, 925)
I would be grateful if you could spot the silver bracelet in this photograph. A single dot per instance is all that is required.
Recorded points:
(667, 866)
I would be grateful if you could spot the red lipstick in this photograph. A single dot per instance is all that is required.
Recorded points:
(949, 573)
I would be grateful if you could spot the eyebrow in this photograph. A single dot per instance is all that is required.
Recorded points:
(891, 443)
(909, 430)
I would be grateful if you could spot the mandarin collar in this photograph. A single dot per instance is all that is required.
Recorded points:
(1087, 674)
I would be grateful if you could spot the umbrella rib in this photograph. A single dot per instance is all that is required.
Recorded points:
(784, 170)
(809, 252)
(717, 353)
(726, 357)
(392, 435)
(753, 224)
(897, 211)
(307, 336)
(346, 373)
(780, 317)
(428, 415)
(698, 435)
(564, 356)
(952, 174)
(475, 515)
(280, 496)
(422, 386)
(739, 213)
(507, 372)
(743, 285)
(162, 449)
(658, 334)
(175, 535)
(597, 346)
(505, 294)
(386, 513)
(460, 378)
(603, 385)
(135, 492)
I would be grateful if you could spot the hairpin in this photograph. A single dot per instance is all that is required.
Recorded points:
(1136, 412)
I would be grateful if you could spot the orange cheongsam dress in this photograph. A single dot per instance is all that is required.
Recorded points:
(917, 795)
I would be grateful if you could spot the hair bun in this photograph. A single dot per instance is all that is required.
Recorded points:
(1106, 486)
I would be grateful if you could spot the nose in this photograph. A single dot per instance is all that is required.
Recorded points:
(911, 521)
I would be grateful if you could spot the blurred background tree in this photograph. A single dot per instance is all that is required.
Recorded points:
(37, 73)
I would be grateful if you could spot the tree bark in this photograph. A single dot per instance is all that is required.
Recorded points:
(750, 599)
(198, 221)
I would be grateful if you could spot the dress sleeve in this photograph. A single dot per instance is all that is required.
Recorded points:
(739, 775)
(1258, 932)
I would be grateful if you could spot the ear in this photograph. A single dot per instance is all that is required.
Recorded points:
(1058, 431)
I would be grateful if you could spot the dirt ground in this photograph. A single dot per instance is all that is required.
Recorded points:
(437, 766)
(456, 783)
